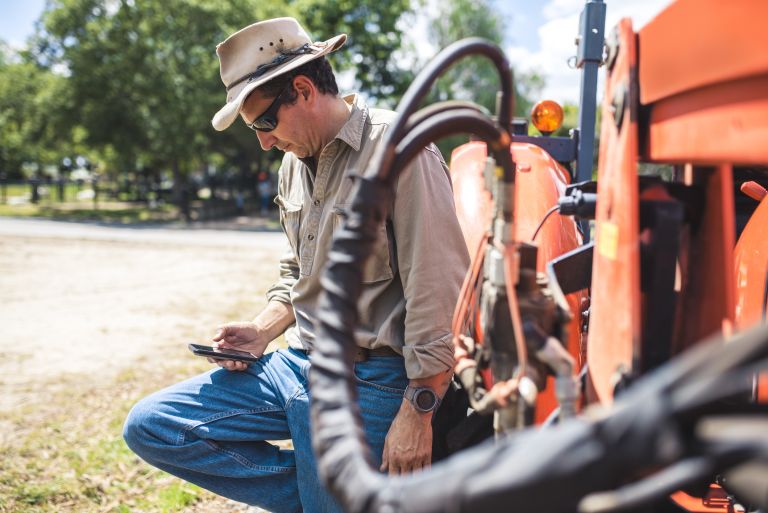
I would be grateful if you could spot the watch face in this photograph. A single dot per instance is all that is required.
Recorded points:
(425, 399)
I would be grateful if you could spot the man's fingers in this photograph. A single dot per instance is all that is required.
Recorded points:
(384, 456)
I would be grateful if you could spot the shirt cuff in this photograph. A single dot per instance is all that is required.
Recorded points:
(429, 358)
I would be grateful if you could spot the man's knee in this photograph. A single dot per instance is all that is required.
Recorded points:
(142, 427)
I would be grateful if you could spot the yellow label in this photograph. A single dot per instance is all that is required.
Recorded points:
(607, 239)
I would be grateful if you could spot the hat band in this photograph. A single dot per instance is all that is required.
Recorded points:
(277, 61)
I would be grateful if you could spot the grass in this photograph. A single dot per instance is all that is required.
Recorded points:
(62, 451)
(108, 212)
(15, 203)
(67, 453)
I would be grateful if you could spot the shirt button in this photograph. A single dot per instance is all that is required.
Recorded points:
(316, 202)
(311, 237)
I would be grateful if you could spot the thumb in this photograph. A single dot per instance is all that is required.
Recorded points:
(221, 332)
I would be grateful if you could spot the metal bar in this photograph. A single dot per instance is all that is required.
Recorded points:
(589, 57)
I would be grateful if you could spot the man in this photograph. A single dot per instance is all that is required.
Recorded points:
(213, 430)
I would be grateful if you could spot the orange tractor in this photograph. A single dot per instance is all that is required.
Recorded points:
(660, 319)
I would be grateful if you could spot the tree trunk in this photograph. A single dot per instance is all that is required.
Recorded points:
(181, 192)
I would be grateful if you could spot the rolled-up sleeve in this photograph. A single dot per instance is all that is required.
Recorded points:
(289, 273)
(432, 259)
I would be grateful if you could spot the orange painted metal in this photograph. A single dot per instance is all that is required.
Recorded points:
(695, 43)
(540, 181)
(474, 206)
(714, 501)
(724, 122)
(754, 190)
(751, 266)
(707, 297)
(762, 388)
(614, 326)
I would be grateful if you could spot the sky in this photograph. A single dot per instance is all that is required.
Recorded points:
(540, 36)
(539, 33)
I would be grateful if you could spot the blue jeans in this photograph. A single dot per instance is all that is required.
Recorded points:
(213, 429)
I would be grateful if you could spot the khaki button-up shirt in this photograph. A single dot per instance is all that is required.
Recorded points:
(412, 280)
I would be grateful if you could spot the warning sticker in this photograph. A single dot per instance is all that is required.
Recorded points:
(607, 239)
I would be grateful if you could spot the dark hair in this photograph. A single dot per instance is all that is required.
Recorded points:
(318, 71)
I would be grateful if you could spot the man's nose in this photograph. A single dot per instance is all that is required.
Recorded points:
(266, 140)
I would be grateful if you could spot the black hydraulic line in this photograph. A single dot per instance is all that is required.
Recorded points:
(573, 459)
(667, 481)
(343, 462)
(337, 433)
(338, 436)
(453, 122)
(549, 212)
(437, 108)
(382, 160)
(547, 470)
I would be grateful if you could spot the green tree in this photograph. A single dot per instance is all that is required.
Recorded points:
(144, 79)
(28, 131)
(374, 41)
(475, 78)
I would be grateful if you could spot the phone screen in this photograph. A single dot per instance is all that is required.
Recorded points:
(221, 353)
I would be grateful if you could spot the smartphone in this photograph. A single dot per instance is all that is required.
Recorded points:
(222, 354)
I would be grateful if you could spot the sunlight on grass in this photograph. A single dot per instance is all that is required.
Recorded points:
(68, 454)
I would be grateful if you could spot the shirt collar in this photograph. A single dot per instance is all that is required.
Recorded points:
(352, 131)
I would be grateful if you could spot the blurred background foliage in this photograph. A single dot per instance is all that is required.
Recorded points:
(129, 86)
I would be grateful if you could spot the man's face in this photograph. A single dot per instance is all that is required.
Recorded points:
(290, 134)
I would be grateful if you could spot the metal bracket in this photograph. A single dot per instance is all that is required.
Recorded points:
(619, 104)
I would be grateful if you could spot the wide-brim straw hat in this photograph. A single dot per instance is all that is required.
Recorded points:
(260, 52)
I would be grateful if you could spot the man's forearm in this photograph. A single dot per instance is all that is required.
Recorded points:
(275, 319)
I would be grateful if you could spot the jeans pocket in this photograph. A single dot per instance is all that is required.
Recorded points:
(385, 374)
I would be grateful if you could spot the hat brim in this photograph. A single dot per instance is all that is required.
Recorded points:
(227, 114)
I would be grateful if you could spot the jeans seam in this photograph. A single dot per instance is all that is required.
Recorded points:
(299, 391)
(181, 438)
(247, 463)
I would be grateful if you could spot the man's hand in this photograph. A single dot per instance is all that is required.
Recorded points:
(253, 336)
(243, 336)
(408, 445)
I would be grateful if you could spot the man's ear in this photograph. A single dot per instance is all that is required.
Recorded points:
(304, 87)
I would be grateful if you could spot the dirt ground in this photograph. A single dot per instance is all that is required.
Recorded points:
(81, 305)
(74, 303)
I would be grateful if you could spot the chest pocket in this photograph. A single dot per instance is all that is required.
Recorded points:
(383, 261)
(290, 219)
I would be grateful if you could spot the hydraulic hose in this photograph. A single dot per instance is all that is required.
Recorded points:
(436, 108)
(338, 437)
(381, 163)
(453, 122)
(547, 470)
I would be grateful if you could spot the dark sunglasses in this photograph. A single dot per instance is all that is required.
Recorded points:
(268, 119)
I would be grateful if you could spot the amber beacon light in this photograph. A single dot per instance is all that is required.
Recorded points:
(547, 116)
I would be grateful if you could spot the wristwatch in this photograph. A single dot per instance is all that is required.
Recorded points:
(423, 399)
